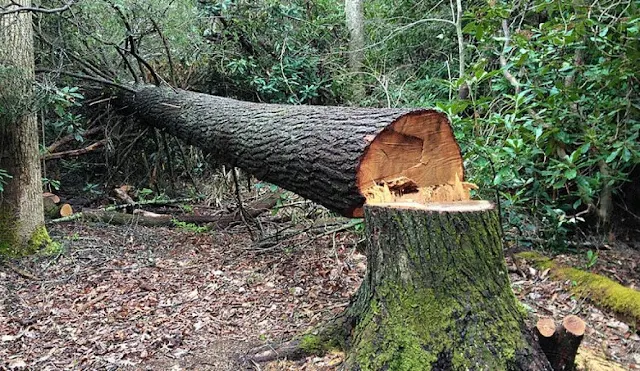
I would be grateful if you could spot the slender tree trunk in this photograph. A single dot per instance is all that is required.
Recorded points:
(354, 12)
(21, 210)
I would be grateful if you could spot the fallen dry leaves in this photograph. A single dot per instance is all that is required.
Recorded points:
(132, 297)
(138, 297)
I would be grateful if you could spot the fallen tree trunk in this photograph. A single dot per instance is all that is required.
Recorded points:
(329, 155)
(110, 215)
(436, 296)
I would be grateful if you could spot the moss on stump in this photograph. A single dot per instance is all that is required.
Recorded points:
(436, 295)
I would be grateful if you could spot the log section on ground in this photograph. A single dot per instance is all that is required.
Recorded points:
(330, 155)
(436, 295)
(561, 346)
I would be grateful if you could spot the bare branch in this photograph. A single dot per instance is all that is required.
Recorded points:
(89, 78)
(24, 9)
(166, 48)
(127, 63)
(88, 65)
(75, 152)
(503, 60)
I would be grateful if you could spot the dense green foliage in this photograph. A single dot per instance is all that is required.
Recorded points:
(550, 121)
(567, 135)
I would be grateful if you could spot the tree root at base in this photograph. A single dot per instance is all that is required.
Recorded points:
(330, 336)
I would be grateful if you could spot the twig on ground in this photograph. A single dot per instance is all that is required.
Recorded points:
(243, 213)
(92, 302)
(21, 272)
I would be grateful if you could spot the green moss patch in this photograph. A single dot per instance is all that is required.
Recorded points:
(418, 328)
(599, 289)
(11, 245)
(40, 242)
(315, 344)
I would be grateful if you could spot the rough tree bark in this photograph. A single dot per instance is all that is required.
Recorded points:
(21, 212)
(326, 154)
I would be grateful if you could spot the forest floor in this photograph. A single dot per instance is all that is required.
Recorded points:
(134, 297)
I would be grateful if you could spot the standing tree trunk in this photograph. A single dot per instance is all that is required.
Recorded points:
(21, 213)
(354, 14)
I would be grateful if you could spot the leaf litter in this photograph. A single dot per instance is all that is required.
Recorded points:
(140, 298)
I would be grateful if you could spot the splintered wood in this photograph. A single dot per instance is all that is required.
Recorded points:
(403, 189)
(414, 160)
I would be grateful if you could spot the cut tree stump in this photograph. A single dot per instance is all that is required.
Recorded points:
(329, 155)
(53, 208)
(545, 330)
(570, 336)
(436, 296)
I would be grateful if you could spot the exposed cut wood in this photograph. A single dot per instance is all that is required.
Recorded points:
(66, 210)
(423, 150)
(546, 327)
(405, 190)
(51, 196)
(52, 207)
(561, 346)
(574, 325)
(411, 162)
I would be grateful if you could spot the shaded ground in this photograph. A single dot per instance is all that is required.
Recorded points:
(152, 297)
(132, 297)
